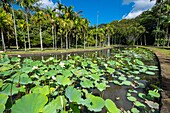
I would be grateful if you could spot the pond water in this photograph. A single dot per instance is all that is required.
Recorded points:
(129, 77)
(117, 93)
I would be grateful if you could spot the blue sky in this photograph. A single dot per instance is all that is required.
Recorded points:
(108, 10)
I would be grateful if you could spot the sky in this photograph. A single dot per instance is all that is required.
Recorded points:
(107, 10)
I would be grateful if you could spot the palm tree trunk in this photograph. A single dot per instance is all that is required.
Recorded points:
(66, 41)
(84, 40)
(3, 42)
(15, 29)
(52, 29)
(41, 39)
(145, 39)
(96, 40)
(108, 43)
(25, 43)
(55, 39)
(29, 43)
(76, 41)
(8, 39)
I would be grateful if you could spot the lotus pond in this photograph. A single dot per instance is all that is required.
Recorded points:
(121, 81)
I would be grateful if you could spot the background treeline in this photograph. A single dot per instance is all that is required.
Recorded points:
(31, 26)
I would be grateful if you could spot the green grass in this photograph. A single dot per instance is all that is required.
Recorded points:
(164, 51)
(50, 50)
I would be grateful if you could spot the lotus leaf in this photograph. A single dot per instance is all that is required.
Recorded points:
(21, 78)
(142, 95)
(152, 104)
(15, 59)
(154, 93)
(111, 107)
(9, 89)
(135, 110)
(122, 78)
(101, 86)
(96, 77)
(131, 98)
(57, 104)
(116, 82)
(27, 69)
(110, 70)
(73, 94)
(75, 108)
(67, 73)
(62, 80)
(139, 104)
(43, 90)
(1, 83)
(86, 83)
(51, 73)
(33, 103)
(95, 103)
(150, 73)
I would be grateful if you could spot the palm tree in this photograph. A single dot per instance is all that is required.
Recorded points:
(5, 20)
(39, 18)
(27, 5)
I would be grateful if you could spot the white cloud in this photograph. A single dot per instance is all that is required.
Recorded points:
(138, 7)
(47, 3)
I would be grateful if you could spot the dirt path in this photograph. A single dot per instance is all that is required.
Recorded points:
(165, 72)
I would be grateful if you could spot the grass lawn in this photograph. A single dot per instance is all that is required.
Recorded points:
(49, 50)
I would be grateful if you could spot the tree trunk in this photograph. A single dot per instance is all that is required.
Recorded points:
(25, 43)
(61, 42)
(69, 43)
(84, 40)
(96, 40)
(108, 43)
(3, 42)
(15, 29)
(168, 40)
(76, 41)
(141, 41)
(55, 39)
(52, 30)
(8, 40)
(66, 41)
(41, 39)
(29, 43)
(145, 39)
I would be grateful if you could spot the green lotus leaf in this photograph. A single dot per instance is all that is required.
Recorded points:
(111, 106)
(132, 91)
(78, 73)
(57, 104)
(86, 83)
(33, 103)
(1, 83)
(131, 98)
(3, 98)
(110, 70)
(5, 67)
(84, 64)
(95, 77)
(153, 68)
(64, 112)
(27, 69)
(95, 103)
(139, 62)
(135, 72)
(62, 80)
(128, 94)
(51, 73)
(67, 73)
(6, 73)
(154, 93)
(142, 95)
(9, 89)
(73, 94)
(15, 59)
(74, 108)
(4, 60)
(101, 86)
(116, 82)
(2, 108)
(150, 73)
(135, 110)
(21, 78)
(152, 104)
(127, 83)
(122, 78)
(139, 104)
(43, 90)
